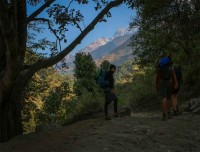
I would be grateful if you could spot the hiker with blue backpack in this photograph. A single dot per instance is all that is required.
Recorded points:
(166, 82)
(106, 82)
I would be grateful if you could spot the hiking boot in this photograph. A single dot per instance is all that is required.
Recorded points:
(116, 114)
(169, 115)
(164, 117)
(107, 117)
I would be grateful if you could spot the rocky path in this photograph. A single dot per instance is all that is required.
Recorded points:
(142, 132)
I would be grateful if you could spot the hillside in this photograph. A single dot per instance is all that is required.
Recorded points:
(109, 47)
(142, 132)
(119, 55)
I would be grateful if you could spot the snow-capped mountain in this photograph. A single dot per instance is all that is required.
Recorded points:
(93, 46)
(115, 49)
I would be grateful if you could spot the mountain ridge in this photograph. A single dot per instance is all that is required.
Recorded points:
(114, 49)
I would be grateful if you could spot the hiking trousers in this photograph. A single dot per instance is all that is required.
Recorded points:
(109, 97)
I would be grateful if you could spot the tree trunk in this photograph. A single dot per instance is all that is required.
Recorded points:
(10, 115)
(12, 47)
(10, 109)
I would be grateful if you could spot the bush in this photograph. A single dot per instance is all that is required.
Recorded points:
(85, 71)
(144, 95)
(81, 107)
(191, 81)
(54, 109)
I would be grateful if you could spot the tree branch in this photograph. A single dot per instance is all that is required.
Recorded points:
(55, 59)
(70, 4)
(39, 10)
(77, 25)
(49, 25)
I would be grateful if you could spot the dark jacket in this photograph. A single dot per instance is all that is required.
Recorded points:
(109, 77)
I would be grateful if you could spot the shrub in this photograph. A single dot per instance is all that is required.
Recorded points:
(144, 95)
(191, 81)
(81, 107)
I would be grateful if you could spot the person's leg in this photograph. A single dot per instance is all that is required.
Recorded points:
(107, 102)
(106, 108)
(169, 106)
(177, 106)
(163, 94)
(169, 101)
(115, 106)
(174, 101)
(107, 117)
(164, 108)
(174, 104)
(164, 105)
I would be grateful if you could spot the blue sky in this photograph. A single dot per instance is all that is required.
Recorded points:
(121, 17)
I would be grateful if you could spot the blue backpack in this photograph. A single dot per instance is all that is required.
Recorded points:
(164, 61)
(101, 79)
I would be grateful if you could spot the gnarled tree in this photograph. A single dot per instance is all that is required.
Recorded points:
(14, 74)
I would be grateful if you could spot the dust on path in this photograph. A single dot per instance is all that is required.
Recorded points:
(144, 132)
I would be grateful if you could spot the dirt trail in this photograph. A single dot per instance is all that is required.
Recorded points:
(143, 132)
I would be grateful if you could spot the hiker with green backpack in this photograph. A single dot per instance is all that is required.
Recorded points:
(166, 82)
(106, 82)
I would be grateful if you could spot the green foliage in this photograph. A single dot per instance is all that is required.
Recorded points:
(85, 71)
(90, 102)
(171, 28)
(125, 72)
(191, 81)
(137, 90)
(32, 101)
(80, 107)
(28, 116)
(144, 96)
(40, 91)
(88, 98)
(124, 78)
(166, 26)
(54, 109)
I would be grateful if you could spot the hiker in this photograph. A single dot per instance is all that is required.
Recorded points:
(179, 77)
(165, 83)
(110, 92)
